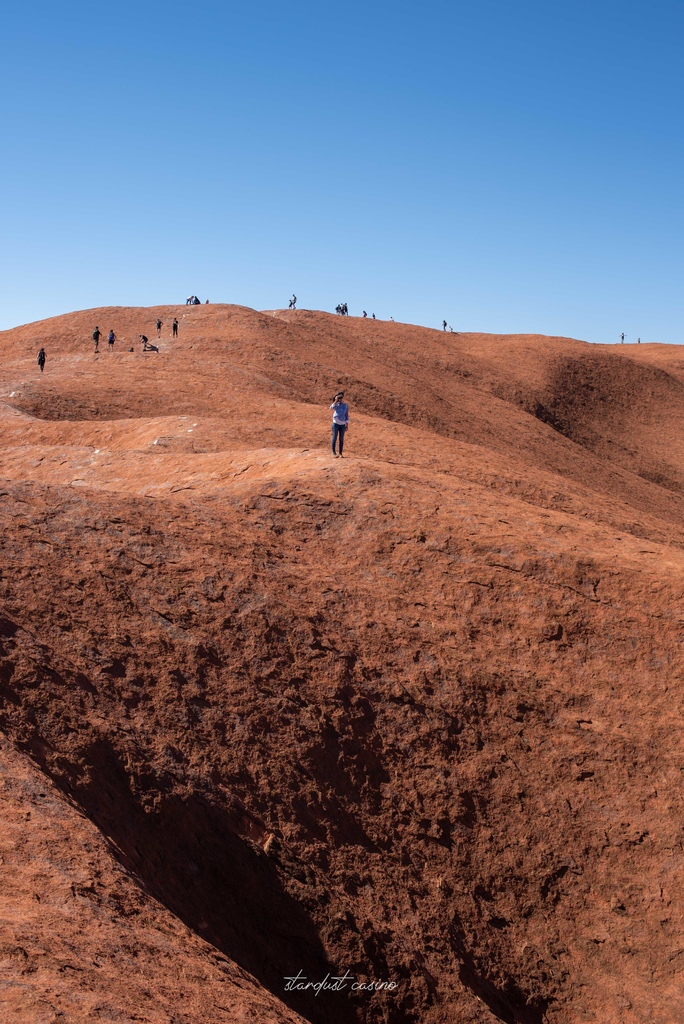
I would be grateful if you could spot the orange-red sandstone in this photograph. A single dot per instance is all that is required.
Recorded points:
(415, 714)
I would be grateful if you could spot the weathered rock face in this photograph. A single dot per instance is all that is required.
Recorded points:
(80, 940)
(413, 715)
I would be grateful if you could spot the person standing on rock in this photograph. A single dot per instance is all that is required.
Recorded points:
(159, 327)
(41, 359)
(444, 325)
(340, 411)
(111, 338)
(174, 328)
(96, 338)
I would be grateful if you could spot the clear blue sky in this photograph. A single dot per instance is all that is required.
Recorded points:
(508, 166)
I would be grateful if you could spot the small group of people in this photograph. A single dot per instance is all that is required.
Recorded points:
(192, 300)
(343, 310)
(622, 339)
(174, 327)
(111, 337)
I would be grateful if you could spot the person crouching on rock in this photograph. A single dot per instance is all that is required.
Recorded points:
(340, 422)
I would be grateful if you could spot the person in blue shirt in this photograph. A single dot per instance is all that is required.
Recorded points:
(340, 422)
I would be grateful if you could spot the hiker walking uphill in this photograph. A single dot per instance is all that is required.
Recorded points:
(41, 359)
(96, 338)
(340, 422)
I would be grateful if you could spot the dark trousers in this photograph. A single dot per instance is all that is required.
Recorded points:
(338, 431)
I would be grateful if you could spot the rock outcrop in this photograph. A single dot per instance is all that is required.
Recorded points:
(412, 717)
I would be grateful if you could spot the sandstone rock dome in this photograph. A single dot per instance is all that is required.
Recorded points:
(414, 715)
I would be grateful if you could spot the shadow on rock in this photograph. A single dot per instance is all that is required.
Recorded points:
(189, 857)
(507, 1002)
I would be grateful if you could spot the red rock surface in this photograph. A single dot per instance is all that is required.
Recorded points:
(415, 714)
(80, 940)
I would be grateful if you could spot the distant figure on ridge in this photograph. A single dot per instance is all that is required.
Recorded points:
(111, 338)
(364, 314)
(638, 341)
(622, 338)
(96, 338)
(340, 422)
(41, 359)
(159, 327)
(293, 302)
(196, 301)
(174, 328)
(444, 325)
(189, 301)
(374, 316)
